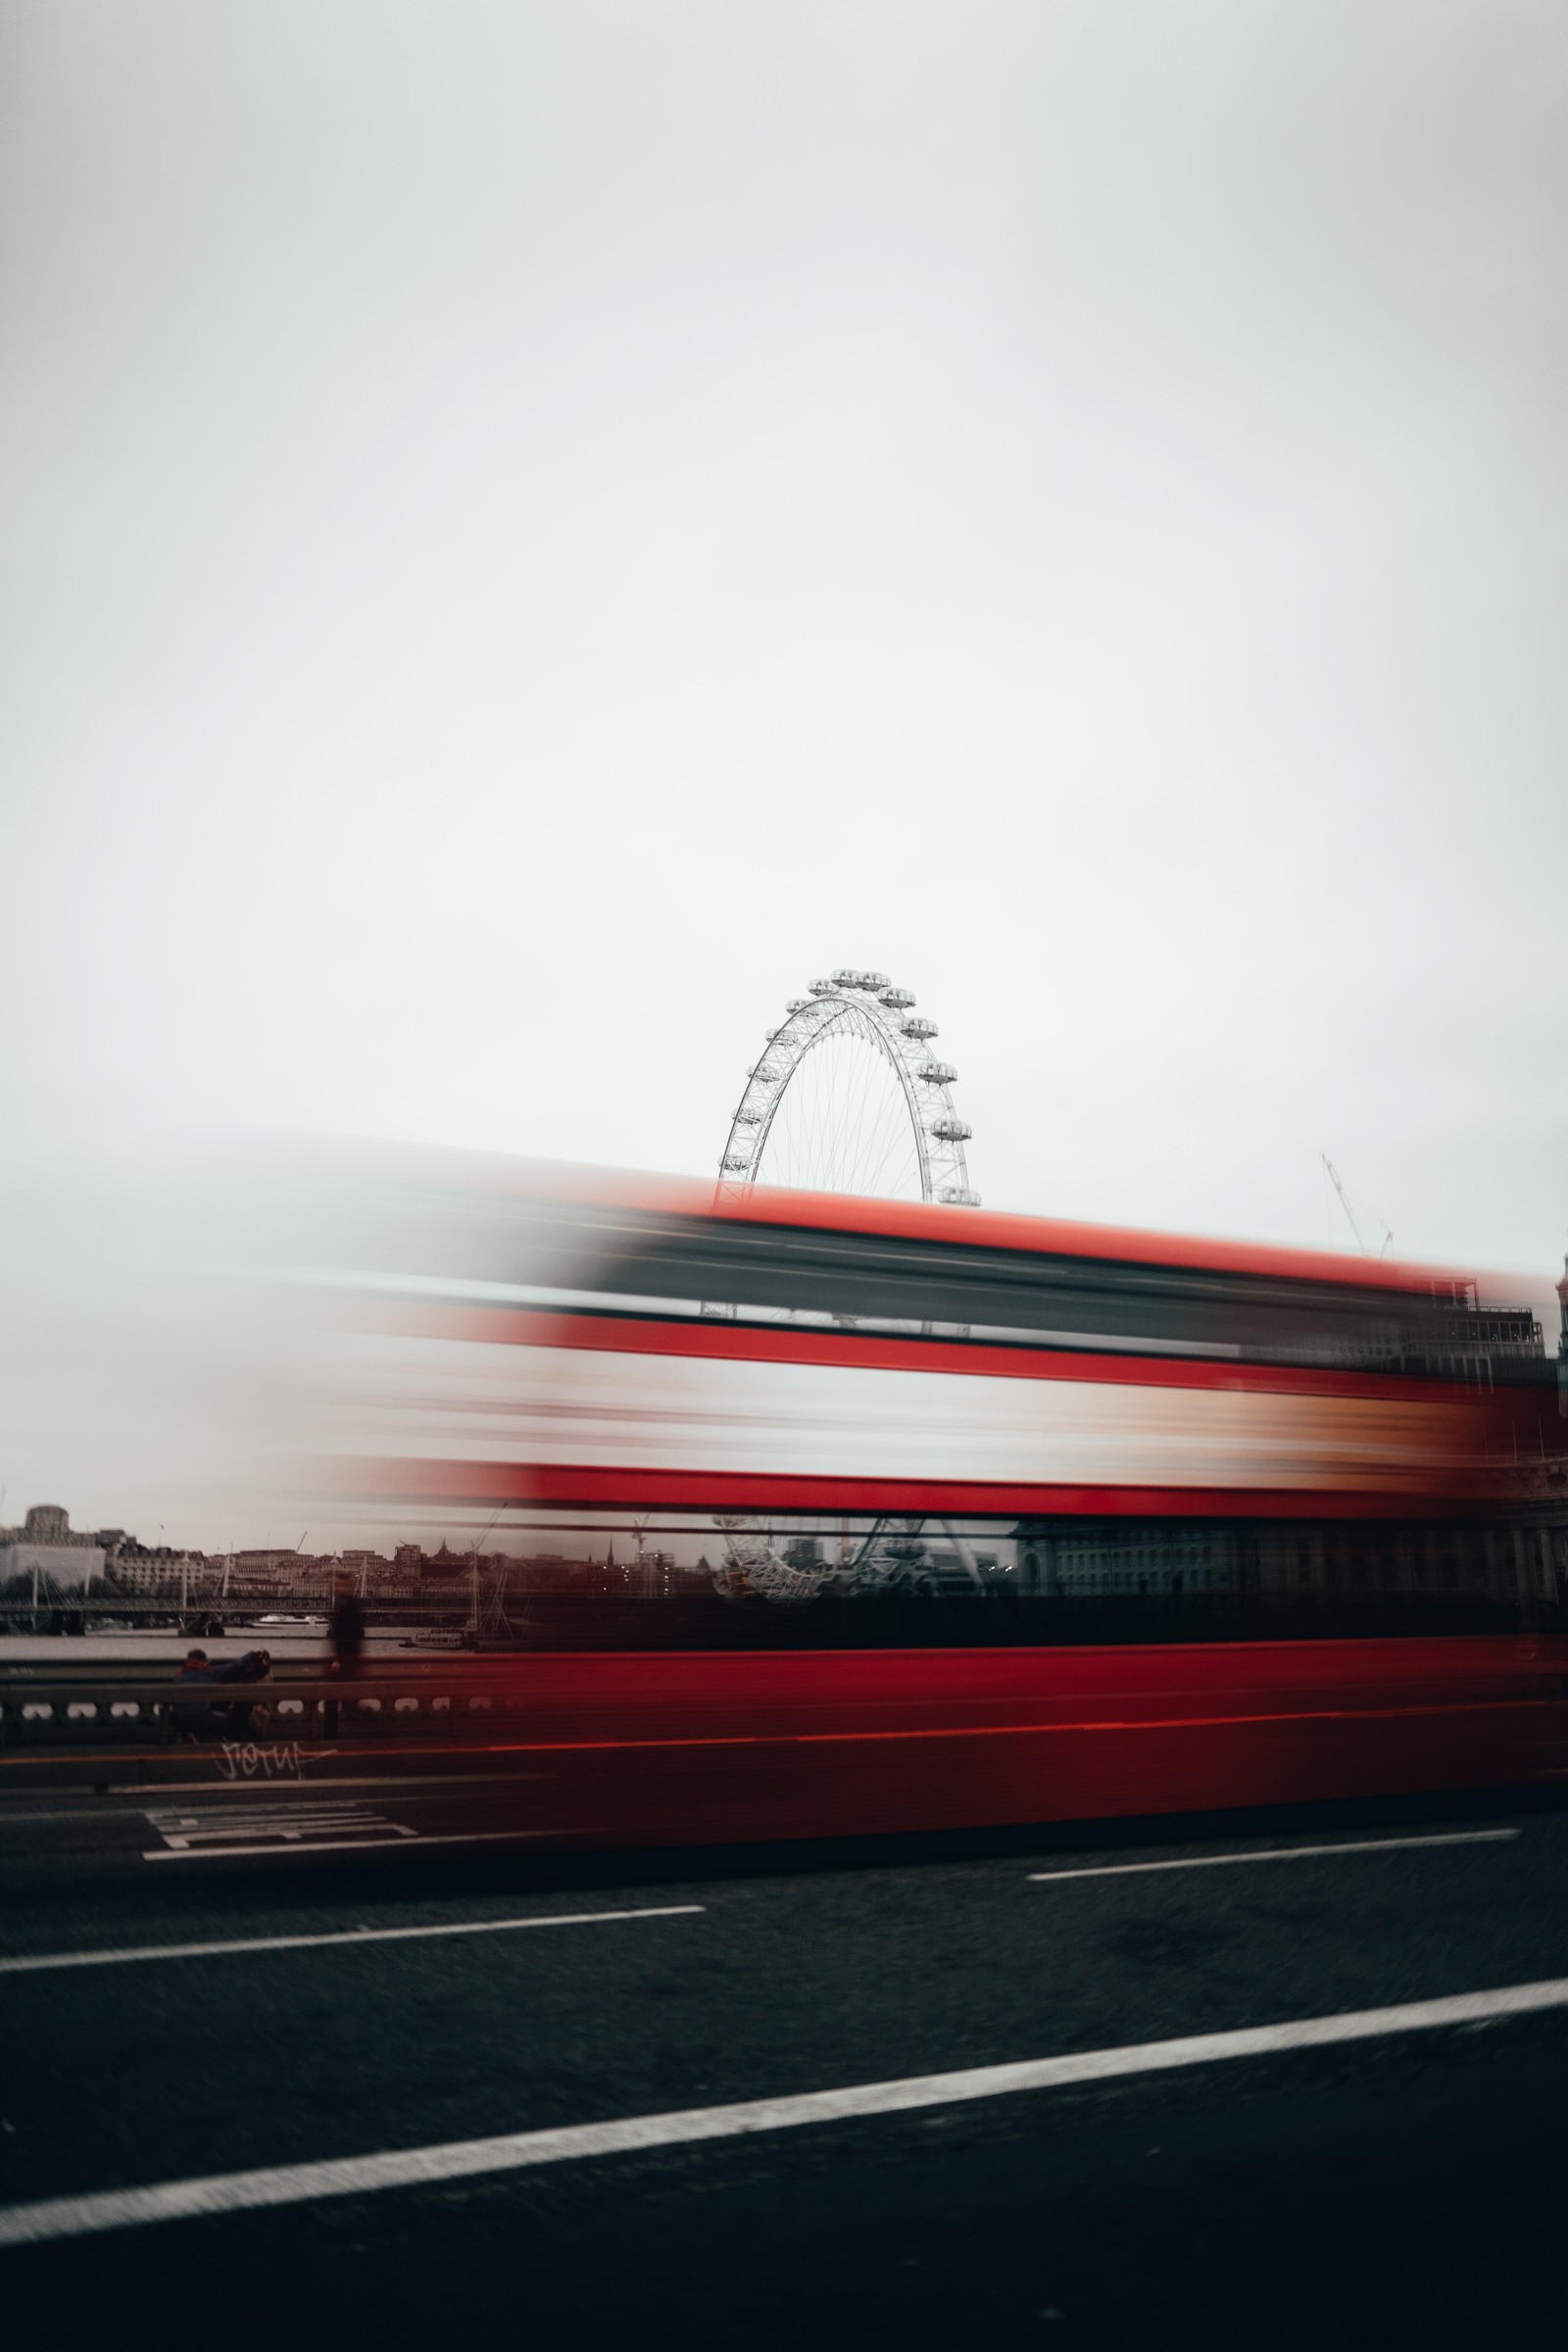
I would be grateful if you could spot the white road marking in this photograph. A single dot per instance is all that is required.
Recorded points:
(463, 2159)
(269, 1825)
(30, 1961)
(1276, 1853)
(295, 1821)
(409, 1839)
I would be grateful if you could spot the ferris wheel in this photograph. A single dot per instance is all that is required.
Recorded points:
(848, 1097)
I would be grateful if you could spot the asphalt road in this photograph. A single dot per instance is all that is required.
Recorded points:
(1410, 2185)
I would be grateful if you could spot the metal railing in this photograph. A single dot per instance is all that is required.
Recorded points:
(306, 1708)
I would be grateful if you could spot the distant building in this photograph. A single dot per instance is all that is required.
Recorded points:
(442, 1563)
(1091, 1560)
(61, 1567)
(147, 1569)
(45, 1553)
(1477, 1339)
(266, 1570)
(49, 1523)
(363, 1563)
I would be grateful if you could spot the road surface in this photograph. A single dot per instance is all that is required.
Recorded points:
(217, 1999)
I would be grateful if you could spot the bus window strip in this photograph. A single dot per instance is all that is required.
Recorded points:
(858, 1345)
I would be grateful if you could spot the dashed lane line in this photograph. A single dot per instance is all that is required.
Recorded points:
(463, 2159)
(26, 1963)
(1276, 1853)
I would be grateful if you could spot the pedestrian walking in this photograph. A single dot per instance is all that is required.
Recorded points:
(347, 1629)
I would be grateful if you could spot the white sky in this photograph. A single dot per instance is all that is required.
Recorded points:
(532, 531)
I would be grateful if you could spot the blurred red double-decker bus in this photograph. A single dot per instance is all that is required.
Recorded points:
(803, 1515)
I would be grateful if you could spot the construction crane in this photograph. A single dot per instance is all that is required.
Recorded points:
(1337, 1182)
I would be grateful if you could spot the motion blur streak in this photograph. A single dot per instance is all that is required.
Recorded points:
(787, 1514)
(912, 1358)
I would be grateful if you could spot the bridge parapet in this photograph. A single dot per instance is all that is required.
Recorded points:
(98, 1709)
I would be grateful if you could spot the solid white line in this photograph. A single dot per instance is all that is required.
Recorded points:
(27, 1962)
(461, 2159)
(405, 1843)
(1277, 1853)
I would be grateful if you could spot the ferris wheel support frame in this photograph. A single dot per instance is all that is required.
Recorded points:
(866, 1004)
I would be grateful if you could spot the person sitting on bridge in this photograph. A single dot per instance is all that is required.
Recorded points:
(254, 1666)
(192, 1721)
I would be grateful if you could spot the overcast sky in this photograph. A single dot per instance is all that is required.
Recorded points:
(532, 531)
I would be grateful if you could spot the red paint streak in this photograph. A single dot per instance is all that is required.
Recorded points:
(735, 1741)
(974, 1228)
(565, 1485)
